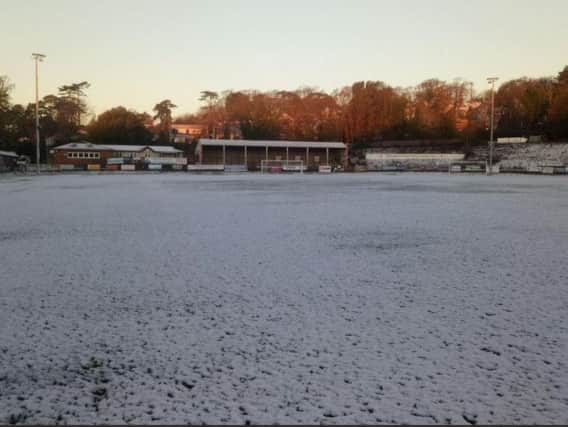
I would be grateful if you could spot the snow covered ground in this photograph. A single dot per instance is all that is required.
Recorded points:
(174, 298)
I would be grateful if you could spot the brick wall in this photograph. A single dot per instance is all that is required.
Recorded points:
(59, 157)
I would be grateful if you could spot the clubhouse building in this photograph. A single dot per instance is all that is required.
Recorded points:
(88, 156)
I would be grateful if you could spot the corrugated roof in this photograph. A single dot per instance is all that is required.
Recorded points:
(163, 149)
(268, 143)
(78, 146)
(8, 153)
(132, 148)
(137, 148)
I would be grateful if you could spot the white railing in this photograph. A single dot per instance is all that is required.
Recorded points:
(205, 167)
(278, 166)
(414, 156)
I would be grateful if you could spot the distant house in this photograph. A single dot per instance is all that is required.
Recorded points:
(186, 133)
(88, 156)
(8, 161)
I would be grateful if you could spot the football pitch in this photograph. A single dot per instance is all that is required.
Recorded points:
(342, 298)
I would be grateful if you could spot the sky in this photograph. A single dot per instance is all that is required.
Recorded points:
(136, 53)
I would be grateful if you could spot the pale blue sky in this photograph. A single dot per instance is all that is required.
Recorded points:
(136, 53)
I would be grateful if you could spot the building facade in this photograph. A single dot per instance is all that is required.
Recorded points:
(88, 156)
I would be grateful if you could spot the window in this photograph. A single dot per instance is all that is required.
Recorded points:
(83, 155)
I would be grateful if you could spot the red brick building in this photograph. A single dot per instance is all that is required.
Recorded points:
(88, 156)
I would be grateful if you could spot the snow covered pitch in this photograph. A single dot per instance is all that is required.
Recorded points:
(366, 298)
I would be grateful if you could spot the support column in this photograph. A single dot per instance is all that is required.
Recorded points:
(224, 155)
(246, 160)
(287, 158)
(267, 152)
(327, 156)
(307, 158)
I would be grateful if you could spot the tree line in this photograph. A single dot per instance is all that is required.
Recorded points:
(371, 111)
(362, 113)
(60, 117)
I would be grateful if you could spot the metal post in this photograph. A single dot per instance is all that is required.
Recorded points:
(491, 139)
(37, 114)
(37, 58)
(307, 157)
(246, 160)
(491, 80)
(267, 153)
(224, 156)
(287, 156)
(327, 156)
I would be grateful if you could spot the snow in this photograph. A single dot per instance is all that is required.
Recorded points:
(370, 298)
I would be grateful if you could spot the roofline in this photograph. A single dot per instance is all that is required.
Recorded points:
(62, 147)
(8, 153)
(123, 147)
(187, 124)
(269, 143)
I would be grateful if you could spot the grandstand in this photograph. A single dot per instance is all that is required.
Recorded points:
(441, 155)
(411, 155)
(250, 155)
(549, 158)
(412, 161)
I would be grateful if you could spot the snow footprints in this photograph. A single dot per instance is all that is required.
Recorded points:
(433, 322)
